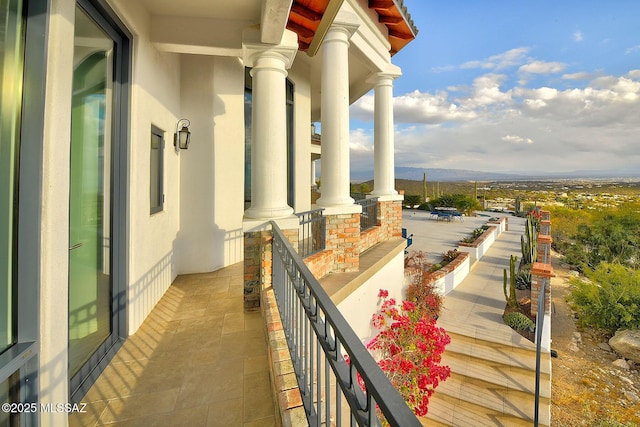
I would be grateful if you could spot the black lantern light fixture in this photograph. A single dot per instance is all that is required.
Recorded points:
(182, 136)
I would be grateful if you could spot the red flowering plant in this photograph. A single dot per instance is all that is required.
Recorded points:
(409, 350)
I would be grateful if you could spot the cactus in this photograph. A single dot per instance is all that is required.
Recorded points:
(529, 244)
(424, 187)
(512, 300)
(517, 204)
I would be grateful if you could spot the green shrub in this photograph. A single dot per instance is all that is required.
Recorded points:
(519, 322)
(610, 299)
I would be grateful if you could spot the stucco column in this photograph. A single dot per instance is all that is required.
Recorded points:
(334, 104)
(269, 123)
(383, 139)
(313, 173)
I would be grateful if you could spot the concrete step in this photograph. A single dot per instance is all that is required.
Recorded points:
(444, 410)
(513, 356)
(496, 374)
(495, 398)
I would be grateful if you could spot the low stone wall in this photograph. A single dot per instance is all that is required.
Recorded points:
(502, 224)
(370, 237)
(481, 245)
(320, 263)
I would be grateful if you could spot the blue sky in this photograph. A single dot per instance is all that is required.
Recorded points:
(503, 85)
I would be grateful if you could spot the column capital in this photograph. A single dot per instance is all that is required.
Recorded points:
(253, 49)
(386, 76)
(346, 23)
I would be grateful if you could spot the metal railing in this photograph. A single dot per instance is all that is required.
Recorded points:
(328, 357)
(369, 215)
(539, 328)
(311, 232)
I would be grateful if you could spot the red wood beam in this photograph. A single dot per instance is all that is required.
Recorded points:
(399, 35)
(302, 31)
(380, 4)
(392, 20)
(305, 12)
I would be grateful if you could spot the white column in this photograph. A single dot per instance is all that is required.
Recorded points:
(313, 173)
(268, 124)
(334, 104)
(383, 139)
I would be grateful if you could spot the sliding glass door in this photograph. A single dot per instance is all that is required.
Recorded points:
(96, 191)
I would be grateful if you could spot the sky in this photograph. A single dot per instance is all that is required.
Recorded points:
(514, 86)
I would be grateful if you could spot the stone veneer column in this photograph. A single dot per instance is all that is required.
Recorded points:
(383, 138)
(268, 123)
(334, 104)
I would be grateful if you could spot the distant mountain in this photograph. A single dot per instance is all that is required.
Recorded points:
(436, 174)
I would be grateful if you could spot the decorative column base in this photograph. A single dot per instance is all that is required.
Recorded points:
(258, 262)
(540, 272)
(390, 218)
(343, 237)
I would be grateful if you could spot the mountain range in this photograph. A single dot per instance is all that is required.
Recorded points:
(437, 174)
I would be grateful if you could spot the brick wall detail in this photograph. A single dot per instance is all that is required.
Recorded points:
(343, 236)
(540, 272)
(258, 263)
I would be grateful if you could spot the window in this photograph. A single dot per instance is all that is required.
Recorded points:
(156, 168)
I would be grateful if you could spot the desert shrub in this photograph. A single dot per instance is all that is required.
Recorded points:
(450, 255)
(610, 299)
(519, 322)
(523, 279)
(424, 295)
(436, 267)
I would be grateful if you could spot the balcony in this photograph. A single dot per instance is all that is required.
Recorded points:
(198, 359)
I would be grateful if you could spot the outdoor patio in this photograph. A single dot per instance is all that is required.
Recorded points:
(198, 360)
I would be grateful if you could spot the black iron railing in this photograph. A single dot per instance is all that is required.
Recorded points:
(327, 355)
(539, 328)
(369, 215)
(311, 233)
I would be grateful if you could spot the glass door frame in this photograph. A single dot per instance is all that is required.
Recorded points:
(106, 19)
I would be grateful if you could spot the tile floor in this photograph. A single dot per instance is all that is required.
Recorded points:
(197, 360)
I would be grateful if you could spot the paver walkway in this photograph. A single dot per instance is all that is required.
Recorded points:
(197, 360)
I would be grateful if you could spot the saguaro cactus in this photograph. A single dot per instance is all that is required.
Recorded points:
(510, 296)
(530, 243)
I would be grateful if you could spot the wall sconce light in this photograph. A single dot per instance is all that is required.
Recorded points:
(182, 137)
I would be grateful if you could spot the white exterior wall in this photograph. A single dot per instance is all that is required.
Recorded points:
(361, 304)
(212, 169)
(155, 99)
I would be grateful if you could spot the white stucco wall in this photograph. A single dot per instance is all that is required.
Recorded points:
(155, 99)
(212, 170)
(360, 305)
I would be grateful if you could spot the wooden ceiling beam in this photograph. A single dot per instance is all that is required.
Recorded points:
(399, 35)
(301, 30)
(380, 4)
(390, 20)
(305, 12)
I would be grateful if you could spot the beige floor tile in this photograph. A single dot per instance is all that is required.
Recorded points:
(90, 417)
(125, 408)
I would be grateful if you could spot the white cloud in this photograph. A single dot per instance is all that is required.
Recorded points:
(634, 49)
(492, 126)
(517, 139)
(578, 36)
(583, 75)
(510, 58)
(542, 67)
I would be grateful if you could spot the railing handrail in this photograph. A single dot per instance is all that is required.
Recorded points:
(311, 232)
(539, 328)
(368, 217)
(391, 404)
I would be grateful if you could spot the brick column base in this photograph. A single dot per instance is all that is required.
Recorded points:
(343, 235)
(540, 272)
(544, 246)
(258, 262)
(390, 219)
